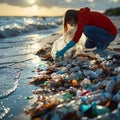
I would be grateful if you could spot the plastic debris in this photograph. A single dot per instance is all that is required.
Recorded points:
(111, 85)
(81, 87)
(29, 97)
(93, 110)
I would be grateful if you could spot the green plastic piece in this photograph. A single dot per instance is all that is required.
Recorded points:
(99, 110)
(29, 97)
(67, 96)
(95, 109)
(80, 77)
(46, 82)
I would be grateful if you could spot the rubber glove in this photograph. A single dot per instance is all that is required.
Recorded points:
(67, 47)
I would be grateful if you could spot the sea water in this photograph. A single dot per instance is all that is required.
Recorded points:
(19, 40)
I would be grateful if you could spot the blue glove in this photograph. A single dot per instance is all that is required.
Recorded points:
(67, 47)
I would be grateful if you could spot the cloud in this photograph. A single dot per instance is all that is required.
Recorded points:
(115, 1)
(93, 4)
(20, 3)
(90, 0)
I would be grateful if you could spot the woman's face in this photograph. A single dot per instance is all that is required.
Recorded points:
(71, 23)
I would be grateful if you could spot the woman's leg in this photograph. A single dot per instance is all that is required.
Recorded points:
(89, 44)
(100, 37)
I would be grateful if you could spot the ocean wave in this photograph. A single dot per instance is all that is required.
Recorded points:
(11, 83)
(18, 26)
(15, 31)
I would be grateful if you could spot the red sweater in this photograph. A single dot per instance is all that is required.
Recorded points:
(87, 17)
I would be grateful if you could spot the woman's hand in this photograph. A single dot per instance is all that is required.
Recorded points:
(60, 53)
(67, 47)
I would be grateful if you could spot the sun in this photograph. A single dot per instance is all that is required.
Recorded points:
(32, 1)
(33, 10)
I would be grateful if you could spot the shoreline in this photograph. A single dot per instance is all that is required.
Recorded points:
(16, 101)
(46, 41)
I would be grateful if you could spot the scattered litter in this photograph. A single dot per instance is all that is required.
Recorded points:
(80, 87)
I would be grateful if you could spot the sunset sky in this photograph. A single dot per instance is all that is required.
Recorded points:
(51, 7)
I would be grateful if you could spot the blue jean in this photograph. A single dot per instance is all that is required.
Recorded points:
(97, 37)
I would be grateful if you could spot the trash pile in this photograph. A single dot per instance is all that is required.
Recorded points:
(77, 88)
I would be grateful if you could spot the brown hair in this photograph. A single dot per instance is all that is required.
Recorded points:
(70, 15)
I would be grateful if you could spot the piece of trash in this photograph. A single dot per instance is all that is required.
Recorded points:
(29, 97)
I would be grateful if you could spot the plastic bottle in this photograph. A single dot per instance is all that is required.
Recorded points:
(103, 97)
(116, 97)
(60, 72)
(118, 111)
(78, 93)
(111, 85)
(96, 92)
(74, 69)
(85, 92)
(86, 83)
(99, 71)
(118, 80)
(66, 109)
(80, 75)
(101, 84)
(90, 73)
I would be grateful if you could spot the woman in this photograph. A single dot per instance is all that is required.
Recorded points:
(97, 27)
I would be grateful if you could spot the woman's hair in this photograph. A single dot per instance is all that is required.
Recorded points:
(70, 15)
